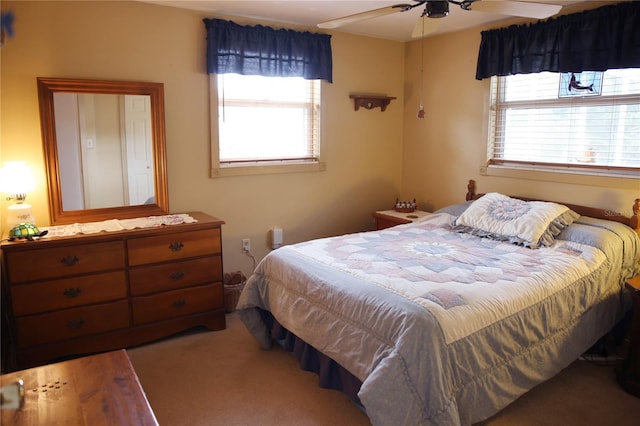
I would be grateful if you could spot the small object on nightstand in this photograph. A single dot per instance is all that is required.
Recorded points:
(629, 372)
(405, 206)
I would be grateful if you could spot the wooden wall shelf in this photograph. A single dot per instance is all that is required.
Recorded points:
(370, 101)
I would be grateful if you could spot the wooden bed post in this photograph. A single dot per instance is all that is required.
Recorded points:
(635, 217)
(471, 190)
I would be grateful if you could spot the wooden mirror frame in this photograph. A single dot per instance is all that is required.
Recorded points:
(46, 89)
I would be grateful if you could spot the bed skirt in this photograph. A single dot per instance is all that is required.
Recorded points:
(331, 375)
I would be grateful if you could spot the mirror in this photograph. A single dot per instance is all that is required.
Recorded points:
(104, 147)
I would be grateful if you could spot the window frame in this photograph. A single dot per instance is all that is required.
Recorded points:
(260, 167)
(561, 171)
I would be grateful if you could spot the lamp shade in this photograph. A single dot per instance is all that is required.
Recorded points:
(16, 181)
(16, 178)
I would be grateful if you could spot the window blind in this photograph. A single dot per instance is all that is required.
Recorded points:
(268, 119)
(574, 120)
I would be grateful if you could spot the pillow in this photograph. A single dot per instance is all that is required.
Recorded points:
(455, 209)
(528, 223)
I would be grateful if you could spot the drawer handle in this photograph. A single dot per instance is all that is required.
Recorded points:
(177, 246)
(72, 292)
(70, 260)
(179, 303)
(176, 276)
(75, 324)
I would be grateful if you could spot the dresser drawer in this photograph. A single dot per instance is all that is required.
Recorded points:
(172, 276)
(68, 292)
(47, 263)
(174, 246)
(177, 303)
(35, 330)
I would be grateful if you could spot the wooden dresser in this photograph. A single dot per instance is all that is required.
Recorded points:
(67, 296)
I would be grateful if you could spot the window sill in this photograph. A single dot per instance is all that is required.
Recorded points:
(266, 169)
(570, 176)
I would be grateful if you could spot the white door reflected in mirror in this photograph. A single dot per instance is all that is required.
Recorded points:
(105, 149)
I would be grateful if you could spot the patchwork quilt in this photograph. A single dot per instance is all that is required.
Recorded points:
(467, 283)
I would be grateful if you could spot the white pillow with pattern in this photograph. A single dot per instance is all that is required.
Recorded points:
(528, 223)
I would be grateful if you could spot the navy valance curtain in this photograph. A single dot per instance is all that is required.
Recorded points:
(260, 50)
(595, 40)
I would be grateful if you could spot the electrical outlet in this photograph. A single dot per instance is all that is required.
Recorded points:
(246, 245)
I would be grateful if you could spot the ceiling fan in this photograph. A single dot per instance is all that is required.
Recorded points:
(440, 9)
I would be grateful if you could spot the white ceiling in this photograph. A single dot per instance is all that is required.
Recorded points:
(397, 26)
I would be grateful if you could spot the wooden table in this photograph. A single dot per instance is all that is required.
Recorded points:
(95, 390)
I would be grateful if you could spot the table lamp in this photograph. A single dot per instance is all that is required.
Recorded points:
(16, 181)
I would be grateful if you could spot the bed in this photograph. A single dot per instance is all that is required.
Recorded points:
(449, 319)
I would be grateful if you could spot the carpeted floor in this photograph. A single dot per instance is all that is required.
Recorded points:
(203, 378)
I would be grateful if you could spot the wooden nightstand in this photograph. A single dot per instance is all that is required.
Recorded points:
(629, 373)
(388, 218)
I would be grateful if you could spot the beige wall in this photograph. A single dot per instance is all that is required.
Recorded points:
(139, 41)
(448, 147)
(372, 157)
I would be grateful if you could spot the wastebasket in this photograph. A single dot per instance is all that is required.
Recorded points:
(233, 285)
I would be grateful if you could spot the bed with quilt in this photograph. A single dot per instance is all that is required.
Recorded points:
(447, 320)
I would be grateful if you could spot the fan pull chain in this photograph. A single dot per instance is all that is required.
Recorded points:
(421, 110)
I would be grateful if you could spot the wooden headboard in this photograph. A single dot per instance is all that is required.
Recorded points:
(632, 221)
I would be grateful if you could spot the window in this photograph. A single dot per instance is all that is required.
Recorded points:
(265, 123)
(583, 122)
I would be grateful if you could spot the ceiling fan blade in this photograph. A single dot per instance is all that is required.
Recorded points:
(424, 26)
(335, 23)
(516, 8)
